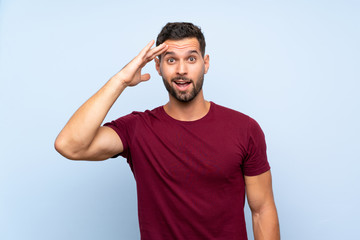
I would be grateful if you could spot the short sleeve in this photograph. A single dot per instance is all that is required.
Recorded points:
(124, 127)
(256, 160)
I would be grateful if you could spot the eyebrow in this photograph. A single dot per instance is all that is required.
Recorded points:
(189, 52)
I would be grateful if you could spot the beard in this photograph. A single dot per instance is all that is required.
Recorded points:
(184, 96)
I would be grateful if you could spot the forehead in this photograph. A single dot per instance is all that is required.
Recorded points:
(183, 44)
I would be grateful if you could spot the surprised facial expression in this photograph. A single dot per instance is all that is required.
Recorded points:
(182, 68)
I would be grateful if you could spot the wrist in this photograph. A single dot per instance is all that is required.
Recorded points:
(119, 80)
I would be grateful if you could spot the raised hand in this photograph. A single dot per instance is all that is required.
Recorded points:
(131, 75)
(83, 137)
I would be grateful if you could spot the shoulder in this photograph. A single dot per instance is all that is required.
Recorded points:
(149, 115)
(236, 118)
(154, 113)
(229, 114)
(136, 116)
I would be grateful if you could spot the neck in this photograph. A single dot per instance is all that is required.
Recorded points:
(187, 111)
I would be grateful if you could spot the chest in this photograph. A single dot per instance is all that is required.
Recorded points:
(190, 154)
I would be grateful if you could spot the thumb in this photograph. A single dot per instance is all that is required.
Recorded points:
(145, 77)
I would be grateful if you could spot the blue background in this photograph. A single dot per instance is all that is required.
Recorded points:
(291, 65)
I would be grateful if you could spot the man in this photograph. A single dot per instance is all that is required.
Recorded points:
(192, 159)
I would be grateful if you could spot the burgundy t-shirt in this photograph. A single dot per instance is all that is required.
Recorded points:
(190, 175)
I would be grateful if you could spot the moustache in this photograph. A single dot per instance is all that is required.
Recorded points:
(181, 78)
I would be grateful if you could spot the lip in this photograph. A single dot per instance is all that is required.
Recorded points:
(181, 85)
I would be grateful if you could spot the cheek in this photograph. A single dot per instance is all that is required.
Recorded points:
(165, 70)
(197, 69)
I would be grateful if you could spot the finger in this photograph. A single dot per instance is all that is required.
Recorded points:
(160, 50)
(156, 51)
(146, 48)
(145, 77)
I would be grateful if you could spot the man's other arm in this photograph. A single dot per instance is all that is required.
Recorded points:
(83, 138)
(261, 202)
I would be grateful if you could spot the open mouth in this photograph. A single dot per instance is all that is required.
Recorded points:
(182, 85)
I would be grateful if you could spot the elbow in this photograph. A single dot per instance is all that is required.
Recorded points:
(256, 213)
(63, 147)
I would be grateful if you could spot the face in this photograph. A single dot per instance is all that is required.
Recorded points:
(182, 68)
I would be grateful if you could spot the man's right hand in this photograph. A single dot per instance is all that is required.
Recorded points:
(83, 137)
(131, 75)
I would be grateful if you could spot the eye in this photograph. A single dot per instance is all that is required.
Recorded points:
(171, 60)
(192, 59)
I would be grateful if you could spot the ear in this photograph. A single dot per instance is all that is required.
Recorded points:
(207, 63)
(157, 65)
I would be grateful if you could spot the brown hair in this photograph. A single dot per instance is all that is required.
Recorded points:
(181, 30)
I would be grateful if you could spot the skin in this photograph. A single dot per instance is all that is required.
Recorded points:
(83, 137)
(183, 59)
(261, 202)
(179, 61)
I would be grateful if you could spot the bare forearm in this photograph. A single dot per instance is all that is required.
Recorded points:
(82, 127)
(266, 224)
(82, 137)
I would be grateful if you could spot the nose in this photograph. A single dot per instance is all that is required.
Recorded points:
(182, 68)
